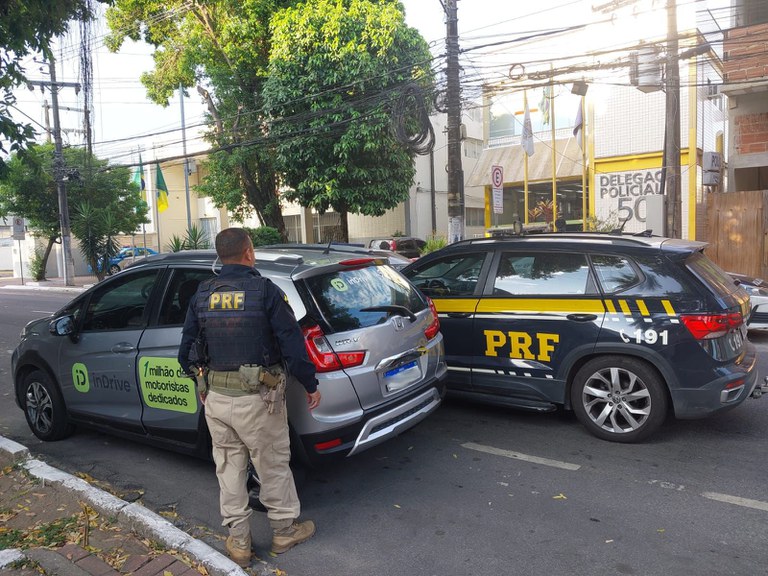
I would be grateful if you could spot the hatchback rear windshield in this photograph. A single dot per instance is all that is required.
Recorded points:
(711, 274)
(342, 295)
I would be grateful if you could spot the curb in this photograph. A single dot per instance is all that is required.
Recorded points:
(131, 516)
(37, 286)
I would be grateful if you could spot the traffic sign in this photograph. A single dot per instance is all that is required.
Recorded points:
(497, 176)
(18, 228)
(497, 183)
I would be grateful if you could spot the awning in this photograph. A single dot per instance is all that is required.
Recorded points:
(511, 158)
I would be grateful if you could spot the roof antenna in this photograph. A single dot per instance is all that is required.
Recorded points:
(328, 248)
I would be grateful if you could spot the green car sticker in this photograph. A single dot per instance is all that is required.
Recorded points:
(339, 285)
(80, 377)
(165, 386)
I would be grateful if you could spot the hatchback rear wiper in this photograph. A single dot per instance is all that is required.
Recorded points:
(393, 309)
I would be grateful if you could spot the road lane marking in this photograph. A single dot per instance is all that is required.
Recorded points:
(519, 456)
(738, 501)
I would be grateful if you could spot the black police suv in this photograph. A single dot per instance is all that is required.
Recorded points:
(620, 329)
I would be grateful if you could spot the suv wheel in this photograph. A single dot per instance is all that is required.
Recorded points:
(619, 398)
(44, 407)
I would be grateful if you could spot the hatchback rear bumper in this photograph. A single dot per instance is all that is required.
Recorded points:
(374, 427)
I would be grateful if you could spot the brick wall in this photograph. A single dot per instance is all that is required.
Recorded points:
(751, 133)
(745, 53)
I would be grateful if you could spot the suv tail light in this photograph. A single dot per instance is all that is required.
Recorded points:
(322, 355)
(708, 326)
(434, 326)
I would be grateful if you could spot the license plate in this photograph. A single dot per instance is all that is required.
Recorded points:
(402, 377)
(400, 369)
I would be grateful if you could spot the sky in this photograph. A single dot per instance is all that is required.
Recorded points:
(124, 117)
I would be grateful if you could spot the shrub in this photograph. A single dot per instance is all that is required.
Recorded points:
(434, 242)
(264, 235)
(37, 265)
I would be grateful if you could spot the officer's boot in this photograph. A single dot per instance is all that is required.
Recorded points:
(286, 538)
(239, 545)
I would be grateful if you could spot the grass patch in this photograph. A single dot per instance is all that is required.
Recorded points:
(52, 534)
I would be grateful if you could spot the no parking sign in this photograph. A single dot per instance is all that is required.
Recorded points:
(18, 228)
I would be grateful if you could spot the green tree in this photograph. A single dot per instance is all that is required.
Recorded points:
(27, 27)
(220, 47)
(342, 75)
(29, 190)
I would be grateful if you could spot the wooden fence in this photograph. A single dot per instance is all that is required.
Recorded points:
(736, 231)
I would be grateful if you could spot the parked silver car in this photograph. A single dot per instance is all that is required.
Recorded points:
(108, 358)
(757, 288)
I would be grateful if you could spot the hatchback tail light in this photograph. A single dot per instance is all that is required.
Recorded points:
(322, 355)
(708, 326)
(434, 326)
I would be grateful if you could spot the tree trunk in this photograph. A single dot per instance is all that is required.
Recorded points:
(344, 226)
(46, 254)
(262, 195)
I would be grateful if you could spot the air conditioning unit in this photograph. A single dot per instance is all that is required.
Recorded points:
(713, 90)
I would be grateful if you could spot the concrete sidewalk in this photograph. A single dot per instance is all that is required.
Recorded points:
(39, 496)
(79, 283)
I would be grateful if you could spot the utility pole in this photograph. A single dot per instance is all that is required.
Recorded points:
(453, 105)
(671, 166)
(58, 173)
(186, 159)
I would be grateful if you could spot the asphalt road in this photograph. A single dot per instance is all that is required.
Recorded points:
(478, 490)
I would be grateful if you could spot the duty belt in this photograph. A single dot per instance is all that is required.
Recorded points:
(226, 382)
(229, 382)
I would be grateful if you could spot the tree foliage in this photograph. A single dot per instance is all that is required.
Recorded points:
(220, 47)
(27, 27)
(337, 75)
(327, 71)
(28, 190)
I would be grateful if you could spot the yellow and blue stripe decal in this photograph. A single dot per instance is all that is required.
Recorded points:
(617, 309)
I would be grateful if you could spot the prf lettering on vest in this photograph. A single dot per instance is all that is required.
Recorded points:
(520, 344)
(226, 301)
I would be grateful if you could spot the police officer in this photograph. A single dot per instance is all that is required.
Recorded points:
(251, 336)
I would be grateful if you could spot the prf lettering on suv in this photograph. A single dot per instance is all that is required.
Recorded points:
(623, 330)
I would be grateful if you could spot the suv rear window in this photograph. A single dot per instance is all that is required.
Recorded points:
(710, 274)
(341, 295)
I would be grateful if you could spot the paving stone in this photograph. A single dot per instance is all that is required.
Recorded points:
(156, 566)
(73, 552)
(94, 565)
(134, 563)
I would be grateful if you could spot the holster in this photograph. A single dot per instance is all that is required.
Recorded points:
(269, 383)
(201, 382)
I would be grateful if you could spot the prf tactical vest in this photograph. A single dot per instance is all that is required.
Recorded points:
(237, 331)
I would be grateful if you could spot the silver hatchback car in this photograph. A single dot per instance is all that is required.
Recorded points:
(108, 358)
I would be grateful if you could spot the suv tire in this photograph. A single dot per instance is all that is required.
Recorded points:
(44, 407)
(619, 398)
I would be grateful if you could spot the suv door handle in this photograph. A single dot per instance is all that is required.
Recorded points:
(582, 317)
(123, 347)
(459, 314)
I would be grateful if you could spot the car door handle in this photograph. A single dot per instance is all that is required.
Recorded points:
(459, 314)
(123, 347)
(582, 317)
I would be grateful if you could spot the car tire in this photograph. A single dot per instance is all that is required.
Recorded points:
(253, 484)
(44, 407)
(619, 398)
(113, 269)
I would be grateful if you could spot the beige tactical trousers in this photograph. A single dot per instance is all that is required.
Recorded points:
(241, 427)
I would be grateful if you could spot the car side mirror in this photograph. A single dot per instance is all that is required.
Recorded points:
(64, 326)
